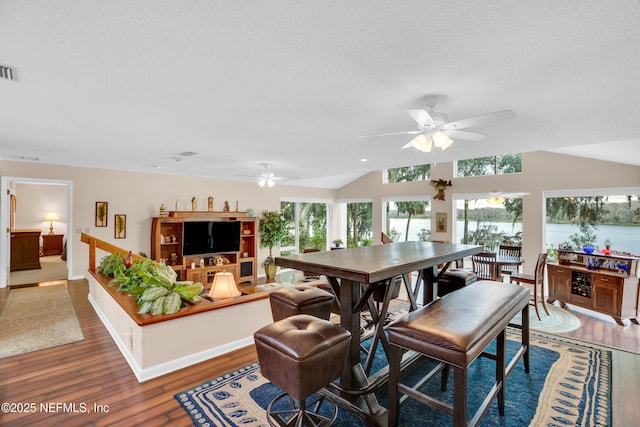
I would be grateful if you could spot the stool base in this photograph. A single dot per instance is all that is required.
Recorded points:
(315, 410)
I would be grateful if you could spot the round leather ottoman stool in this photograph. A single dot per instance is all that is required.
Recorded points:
(300, 299)
(301, 354)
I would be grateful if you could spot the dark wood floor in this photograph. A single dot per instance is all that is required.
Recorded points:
(93, 372)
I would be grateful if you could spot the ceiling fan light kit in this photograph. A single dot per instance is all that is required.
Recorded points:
(434, 130)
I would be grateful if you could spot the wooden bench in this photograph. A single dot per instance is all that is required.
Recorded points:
(455, 330)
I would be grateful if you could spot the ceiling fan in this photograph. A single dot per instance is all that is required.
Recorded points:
(435, 130)
(267, 178)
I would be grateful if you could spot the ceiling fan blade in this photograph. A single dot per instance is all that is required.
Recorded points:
(408, 145)
(421, 117)
(468, 136)
(408, 132)
(481, 119)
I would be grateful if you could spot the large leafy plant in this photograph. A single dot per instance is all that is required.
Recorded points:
(153, 285)
(272, 228)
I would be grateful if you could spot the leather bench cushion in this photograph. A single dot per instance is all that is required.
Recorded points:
(300, 299)
(302, 353)
(457, 327)
(461, 276)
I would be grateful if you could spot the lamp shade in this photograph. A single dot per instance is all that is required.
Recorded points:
(224, 286)
(51, 216)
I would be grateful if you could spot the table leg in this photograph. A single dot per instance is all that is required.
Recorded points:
(429, 285)
(353, 376)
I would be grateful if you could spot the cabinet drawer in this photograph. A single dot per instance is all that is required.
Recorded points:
(601, 279)
(580, 300)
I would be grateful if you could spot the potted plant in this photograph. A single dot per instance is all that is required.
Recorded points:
(337, 243)
(272, 228)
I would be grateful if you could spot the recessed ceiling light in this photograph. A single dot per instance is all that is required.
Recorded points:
(363, 159)
(156, 166)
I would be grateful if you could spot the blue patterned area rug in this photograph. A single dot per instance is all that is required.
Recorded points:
(569, 384)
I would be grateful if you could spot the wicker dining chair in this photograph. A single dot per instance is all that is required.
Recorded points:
(484, 265)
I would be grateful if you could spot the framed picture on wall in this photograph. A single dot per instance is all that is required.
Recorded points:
(441, 222)
(120, 226)
(102, 211)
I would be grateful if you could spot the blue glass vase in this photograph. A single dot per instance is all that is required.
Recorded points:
(588, 248)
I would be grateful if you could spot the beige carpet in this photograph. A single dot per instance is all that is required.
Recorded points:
(52, 268)
(37, 317)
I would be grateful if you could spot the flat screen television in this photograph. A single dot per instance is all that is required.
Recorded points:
(205, 237)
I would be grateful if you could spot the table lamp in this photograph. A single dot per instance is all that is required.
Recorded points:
(224, 286)
(51, 216)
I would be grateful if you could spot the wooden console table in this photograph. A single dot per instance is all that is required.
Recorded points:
(610, 287)
(25, 249)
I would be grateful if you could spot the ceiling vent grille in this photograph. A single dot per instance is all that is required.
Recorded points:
(8, 73)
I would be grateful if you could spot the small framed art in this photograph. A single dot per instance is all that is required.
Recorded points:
(441, 222)
(102, 212)
(120, 226)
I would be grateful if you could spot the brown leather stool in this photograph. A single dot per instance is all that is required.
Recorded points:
(300, 299)
(301, 354)
(454, 279)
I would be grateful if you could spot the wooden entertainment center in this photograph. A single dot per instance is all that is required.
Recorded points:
(604, 283)
(167, 235)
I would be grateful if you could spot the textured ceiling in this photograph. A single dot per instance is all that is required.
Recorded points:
(130, 84)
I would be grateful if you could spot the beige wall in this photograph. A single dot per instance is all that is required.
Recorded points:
(139, 195)
(541, 172)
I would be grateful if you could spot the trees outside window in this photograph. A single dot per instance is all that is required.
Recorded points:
(493, 165)
(578, 220)
(359, 224)
(408, 173)
(408, 220)
(480, 222)
(308, 226)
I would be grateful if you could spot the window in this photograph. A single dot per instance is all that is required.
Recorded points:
(408, 173)
(308, 225)
(480, 222)
(359, 224)
(408, 220)
(579, 219)
(494, 165)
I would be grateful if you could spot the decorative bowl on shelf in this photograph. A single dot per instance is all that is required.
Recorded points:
(588, 248)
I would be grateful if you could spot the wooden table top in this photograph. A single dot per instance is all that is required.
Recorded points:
(371, 264)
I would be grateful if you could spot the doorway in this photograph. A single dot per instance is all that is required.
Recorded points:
(35, 199)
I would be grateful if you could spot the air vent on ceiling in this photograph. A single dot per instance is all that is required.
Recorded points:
(188, 153)
(8, 73)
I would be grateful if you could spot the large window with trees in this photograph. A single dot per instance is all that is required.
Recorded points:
(308, 226)
(408, 220)
(408, 173)
(492, 165)
(598, 220)
(359, 224)
(489, 222)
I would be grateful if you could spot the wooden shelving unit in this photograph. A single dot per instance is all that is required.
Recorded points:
(166, 246)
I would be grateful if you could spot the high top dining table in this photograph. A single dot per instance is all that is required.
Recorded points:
(353, 274)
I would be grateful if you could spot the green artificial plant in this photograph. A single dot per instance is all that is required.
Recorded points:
(273, 229)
